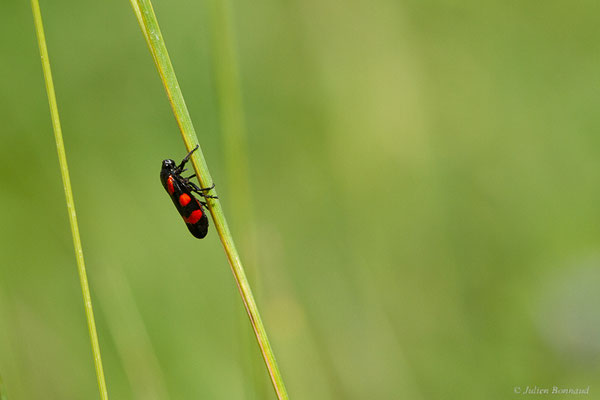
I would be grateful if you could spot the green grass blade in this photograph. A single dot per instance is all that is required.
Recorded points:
(64, 169)
(231, 111)
(233, 130)
(149, 25)
(2, 391)
(131, 336)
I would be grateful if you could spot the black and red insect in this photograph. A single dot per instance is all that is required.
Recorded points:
(180, 190)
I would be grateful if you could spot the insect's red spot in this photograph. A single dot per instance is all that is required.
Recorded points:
(170, 187)
(184, 199)
(194, 217)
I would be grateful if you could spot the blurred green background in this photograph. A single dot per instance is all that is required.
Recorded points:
(424, 212)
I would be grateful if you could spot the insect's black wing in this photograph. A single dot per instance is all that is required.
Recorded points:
(200, 228)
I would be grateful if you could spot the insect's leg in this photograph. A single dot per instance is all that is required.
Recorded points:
(189, 177)
(187, 158)
(206, 196)
(206, 189)
(200, 191)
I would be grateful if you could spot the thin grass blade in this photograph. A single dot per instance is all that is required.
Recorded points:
(150, 28)
(2, 391)
(64, 169)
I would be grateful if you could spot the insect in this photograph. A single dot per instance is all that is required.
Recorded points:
(180, 190)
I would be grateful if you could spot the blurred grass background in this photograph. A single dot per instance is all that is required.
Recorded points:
(425, 195)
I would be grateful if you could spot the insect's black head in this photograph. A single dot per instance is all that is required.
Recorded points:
(168, 165)
(168, 168)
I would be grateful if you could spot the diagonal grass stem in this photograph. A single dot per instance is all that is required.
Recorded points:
(150, 28)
